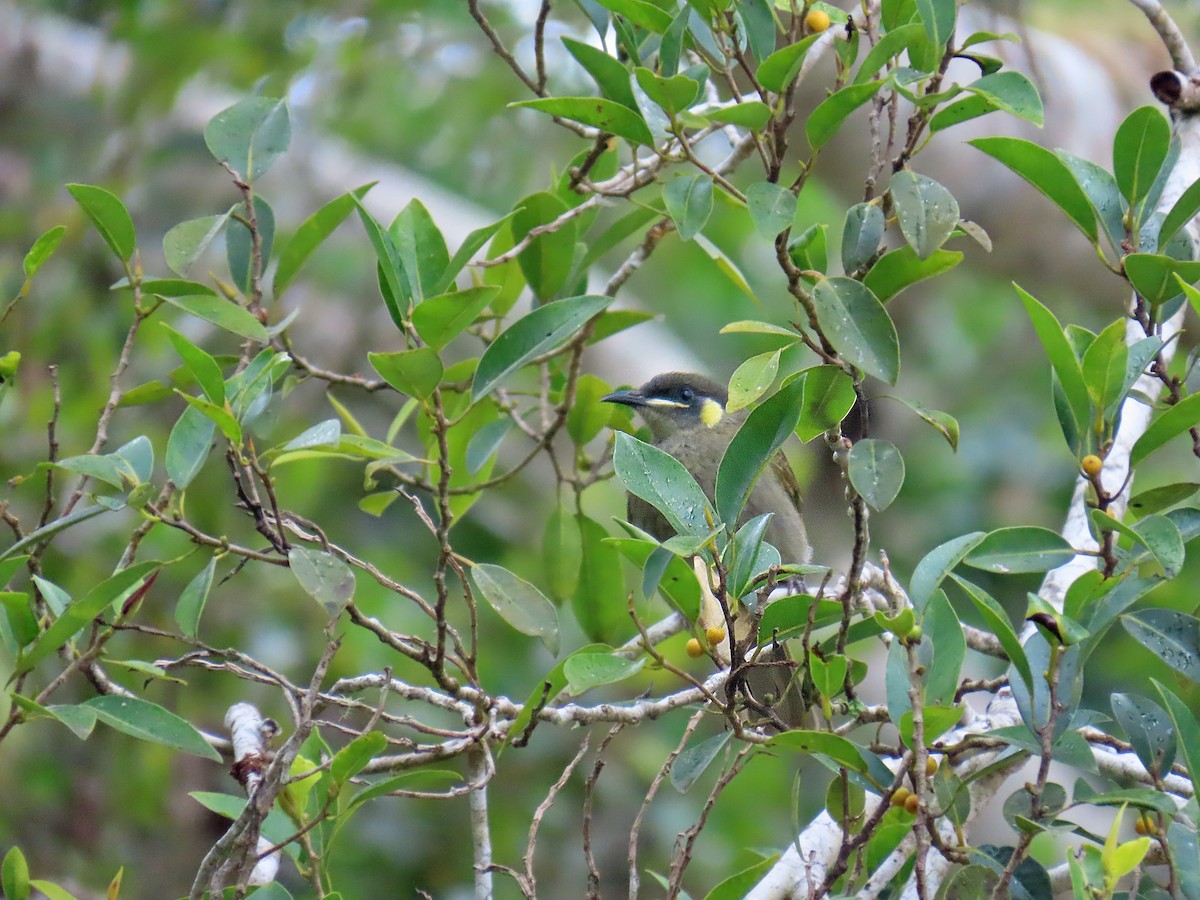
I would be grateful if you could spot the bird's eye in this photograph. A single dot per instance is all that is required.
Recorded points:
(687, 395)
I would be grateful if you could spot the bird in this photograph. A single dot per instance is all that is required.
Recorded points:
(687, 417)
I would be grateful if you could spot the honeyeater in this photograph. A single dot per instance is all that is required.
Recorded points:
(687, 418)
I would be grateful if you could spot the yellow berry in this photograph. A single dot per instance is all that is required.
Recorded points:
(1092, 464)
(715, 634)
(912, 803)
(900, 796)
(1145, 825)
(694, 649)
(914, 635)
(931, 765)
(816, 20)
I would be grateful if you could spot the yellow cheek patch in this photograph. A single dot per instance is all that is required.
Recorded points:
(711, 412)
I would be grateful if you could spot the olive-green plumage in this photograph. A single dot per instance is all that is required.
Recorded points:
(686, 416)
(675, 407)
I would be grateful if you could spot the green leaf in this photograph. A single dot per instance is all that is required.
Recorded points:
(928, 213)
(41, 251)
(690, 764)
(937, 564)
(1048, 174)
(938, 17)
(890, 45)
(858, 326)
(414, 372)
(393, 284)
(937, 721)
(1148, 729)
(222, 313)
(1101, 190)
(824, 121)
(188, 446)
(323, 576)
(750, 556)
(876, 471)
(640, 13)
(150, 722)
(748, 326)
(726, 266)
(220, 415)
(22, 623)
(193, 598)
(202, 366)
(311, 234)
(828, 398)
(1175, 421)
(678, 581)
(829, 675)
(187, 241)
(752, 379)
(600, 603)
(420, 250)
(1173, 637)
(1021, 549)
(610, 74)
(752, 114)
(842, 751)
(562, 553)
(1158, 278)
(1162, 538)
(674, 94)
(1182, 211)
(945, 423)
(941, 652)
(772, 207)
(902, 268)
(14, 875)
(663, 482)
(1062, 358)
(1011, 92)
(536, 333)
(239, 246)
(585, 671)
(997, 620)
(1139, 150)
(353, 758)
(469, 247)
(1187, 731)
(249, 135)
(82, 611)
(518, 602)
(861, 235)
(102, 468)
(1104, 364)
(779, 69)
(589, 413)
(441, 319)
(599, 112)
(485, 442)
(110, 217)
(752, 448)
(689, 202)
(1163, 497)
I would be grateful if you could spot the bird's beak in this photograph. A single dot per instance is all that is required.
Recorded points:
(629, 397)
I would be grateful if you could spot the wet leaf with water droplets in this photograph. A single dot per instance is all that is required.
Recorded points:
(1148, 728)
(1173, 637)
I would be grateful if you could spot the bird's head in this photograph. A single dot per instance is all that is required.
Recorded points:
(675, 401)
